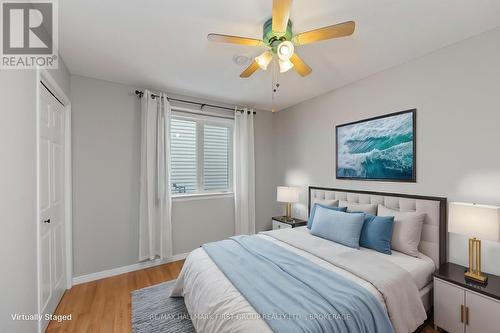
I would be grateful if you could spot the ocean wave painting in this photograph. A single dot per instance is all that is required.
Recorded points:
(377, 149)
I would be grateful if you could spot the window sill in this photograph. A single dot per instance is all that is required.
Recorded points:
(201, 196)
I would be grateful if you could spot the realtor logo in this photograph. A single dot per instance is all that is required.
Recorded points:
(29, 34)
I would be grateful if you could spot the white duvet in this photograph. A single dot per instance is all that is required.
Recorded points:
(215, 305)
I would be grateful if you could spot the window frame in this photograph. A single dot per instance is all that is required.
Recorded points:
(201, 121)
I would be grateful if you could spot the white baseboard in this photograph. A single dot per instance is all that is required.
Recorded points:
(126, 269)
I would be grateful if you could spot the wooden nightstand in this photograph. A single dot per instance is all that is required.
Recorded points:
(280, 223)
(461, 306)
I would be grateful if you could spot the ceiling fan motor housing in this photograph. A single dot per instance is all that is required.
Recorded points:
(273, 39)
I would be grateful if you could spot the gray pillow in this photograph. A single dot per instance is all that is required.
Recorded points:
(325, 202)
(407, 229)
(359, 208)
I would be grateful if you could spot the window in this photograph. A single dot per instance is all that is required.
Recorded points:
(201, 154)
(183, 156)
(215, 157)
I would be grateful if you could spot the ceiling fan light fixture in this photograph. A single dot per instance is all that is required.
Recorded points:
(285, 65)
(285, 50)
(278, 38)
(264, 59)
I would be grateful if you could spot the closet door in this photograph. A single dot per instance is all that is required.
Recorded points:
(51, 185)
(483, 314)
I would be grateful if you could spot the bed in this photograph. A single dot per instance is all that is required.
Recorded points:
(402, 288)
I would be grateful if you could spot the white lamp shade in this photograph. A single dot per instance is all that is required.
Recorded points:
(473, 220)
(287, 194)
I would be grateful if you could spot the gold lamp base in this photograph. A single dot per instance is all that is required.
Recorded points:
(476, 277)
(288, 212)
(474, 271)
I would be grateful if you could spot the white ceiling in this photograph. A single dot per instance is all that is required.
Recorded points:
(162, 43)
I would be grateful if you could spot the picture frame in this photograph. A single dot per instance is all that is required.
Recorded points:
(382, 148)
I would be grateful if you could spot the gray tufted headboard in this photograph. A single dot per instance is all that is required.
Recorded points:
(433, 241)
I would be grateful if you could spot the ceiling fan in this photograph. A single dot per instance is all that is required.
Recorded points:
(280, 41)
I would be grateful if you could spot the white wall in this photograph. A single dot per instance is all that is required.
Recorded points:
(457, 93)
(106, 157)
(106, 143)
(265, 171)
(18, 198)
(198, 221)
(18, 195)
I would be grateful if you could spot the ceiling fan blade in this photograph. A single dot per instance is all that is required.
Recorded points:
(332, 31)
(300, 66)
(234, 40)
(281, 14)
(250, 70)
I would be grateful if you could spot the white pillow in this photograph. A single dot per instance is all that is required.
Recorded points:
(359, 208)
(407, 229)
(325, 202)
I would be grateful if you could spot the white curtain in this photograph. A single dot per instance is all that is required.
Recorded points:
(244, 172)
(155, 227)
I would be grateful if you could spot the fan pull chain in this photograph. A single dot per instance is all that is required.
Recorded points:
(275, 86)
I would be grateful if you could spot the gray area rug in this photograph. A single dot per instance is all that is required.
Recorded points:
(154, 311)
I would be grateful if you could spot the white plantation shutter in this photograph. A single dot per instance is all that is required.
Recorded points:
(183, 150)
(201, 154)
(216, 154)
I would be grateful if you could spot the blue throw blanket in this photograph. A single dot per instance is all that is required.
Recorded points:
(292, 294)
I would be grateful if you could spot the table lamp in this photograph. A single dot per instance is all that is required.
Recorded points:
(477, 222)
(288, 195)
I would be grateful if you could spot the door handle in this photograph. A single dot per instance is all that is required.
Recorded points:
(466, 315)
(462, 313)
(46, 221)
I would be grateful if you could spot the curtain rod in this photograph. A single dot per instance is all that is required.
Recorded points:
(202, 105)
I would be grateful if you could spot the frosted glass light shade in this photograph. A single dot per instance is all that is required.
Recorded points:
(264, 59)
(480, 221)
(287, 194)
(285, 65)
(285, 50)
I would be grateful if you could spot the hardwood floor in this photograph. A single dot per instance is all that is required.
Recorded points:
(104, 305)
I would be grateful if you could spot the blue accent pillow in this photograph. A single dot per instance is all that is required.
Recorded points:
(340, 227)
(313, 212)
(377, 233)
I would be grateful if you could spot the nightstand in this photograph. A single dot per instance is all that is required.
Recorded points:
(461, 306)
(279, 222)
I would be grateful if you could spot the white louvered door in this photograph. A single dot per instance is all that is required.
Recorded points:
(52, 261)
